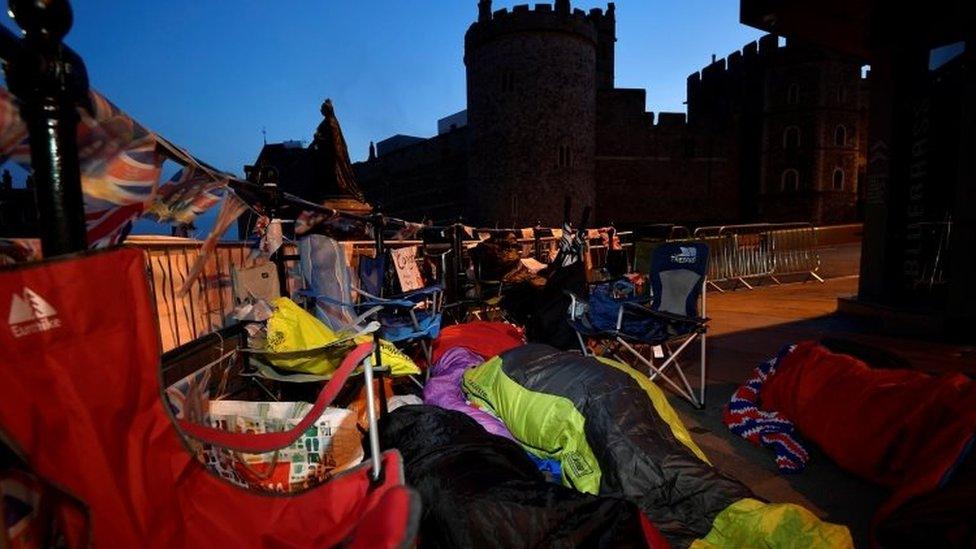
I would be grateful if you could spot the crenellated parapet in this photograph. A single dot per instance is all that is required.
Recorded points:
(541, 18)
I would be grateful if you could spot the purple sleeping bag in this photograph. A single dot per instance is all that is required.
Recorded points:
(443, 389)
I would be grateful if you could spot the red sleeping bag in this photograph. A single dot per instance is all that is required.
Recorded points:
(898, 428)
(486, 339)
(82, 406)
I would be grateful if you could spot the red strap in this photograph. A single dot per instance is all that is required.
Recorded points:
(269, 442)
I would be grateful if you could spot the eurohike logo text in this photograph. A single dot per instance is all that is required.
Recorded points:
(30, 314)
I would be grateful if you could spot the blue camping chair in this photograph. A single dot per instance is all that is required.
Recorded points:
(666, 323)
(406, 319)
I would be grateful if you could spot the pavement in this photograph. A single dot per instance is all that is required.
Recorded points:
(749, 326)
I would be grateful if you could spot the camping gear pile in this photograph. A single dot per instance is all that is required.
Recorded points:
(287, 429)
(844, 406)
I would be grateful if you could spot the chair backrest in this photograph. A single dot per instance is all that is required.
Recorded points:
(678, 271)
(254, 283)
(325, 272)
(372, 274)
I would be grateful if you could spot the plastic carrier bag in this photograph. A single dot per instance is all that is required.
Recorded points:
(299, 342)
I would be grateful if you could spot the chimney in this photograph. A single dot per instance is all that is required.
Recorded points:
(562, 6)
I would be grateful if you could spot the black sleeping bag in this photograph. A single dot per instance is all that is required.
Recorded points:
(481, 490)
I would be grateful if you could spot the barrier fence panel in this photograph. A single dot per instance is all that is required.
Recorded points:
(794, 251)
(742, 252)
(737, 253)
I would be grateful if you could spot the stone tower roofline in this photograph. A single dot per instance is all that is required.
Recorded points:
(754, 52)
(524, 18)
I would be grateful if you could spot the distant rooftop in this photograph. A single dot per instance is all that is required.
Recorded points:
(396, 142)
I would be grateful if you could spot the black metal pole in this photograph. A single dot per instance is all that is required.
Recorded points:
(279, 257)
(51, 83)
(457, 262)
(378, 222)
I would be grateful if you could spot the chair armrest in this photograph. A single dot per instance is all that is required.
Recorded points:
(406, 299)
(327, 299)
(574, 299)
(640, 309)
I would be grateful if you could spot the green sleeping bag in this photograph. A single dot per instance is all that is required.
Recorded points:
(615, 434)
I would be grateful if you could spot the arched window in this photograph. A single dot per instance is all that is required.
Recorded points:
(838, 179)
(793, 94)
(508, 81)
(564, 156)
(840, 136)
(790, 181)
(791, 137)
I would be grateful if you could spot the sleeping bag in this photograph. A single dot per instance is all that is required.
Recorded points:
(443, 389)
(898, 428)
(483, 338)
(480, 490)
(615, 434)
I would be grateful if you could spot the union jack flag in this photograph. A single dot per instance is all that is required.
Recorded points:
(744, 417)
(119, 160)
(189, 193)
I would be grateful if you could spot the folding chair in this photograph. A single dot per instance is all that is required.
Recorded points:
(409, 318)
(667, 325)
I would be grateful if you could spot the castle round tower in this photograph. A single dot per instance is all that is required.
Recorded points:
(532, 83)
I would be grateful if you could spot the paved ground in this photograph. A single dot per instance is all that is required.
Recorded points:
(747, 328)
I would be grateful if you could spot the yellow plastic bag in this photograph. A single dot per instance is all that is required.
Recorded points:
(299, 342)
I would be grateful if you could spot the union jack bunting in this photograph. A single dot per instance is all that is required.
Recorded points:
(744, 417)
(230, 209)
(120, 164)
(189, 193)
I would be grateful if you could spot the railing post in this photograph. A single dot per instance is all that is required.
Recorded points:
(51, 82)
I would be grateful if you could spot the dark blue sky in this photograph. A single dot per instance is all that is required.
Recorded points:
(209, 74)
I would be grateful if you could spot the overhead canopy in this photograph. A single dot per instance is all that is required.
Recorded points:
(858, 27)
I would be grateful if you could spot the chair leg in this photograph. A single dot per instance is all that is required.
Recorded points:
(658, 371)
(701, 399)
(673, 358)
(582, 343)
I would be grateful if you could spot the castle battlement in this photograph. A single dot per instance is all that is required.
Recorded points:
(558, 17)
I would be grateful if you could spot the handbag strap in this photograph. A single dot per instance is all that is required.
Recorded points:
(269, 442)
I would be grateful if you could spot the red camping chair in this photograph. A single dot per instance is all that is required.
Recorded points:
(81, 405)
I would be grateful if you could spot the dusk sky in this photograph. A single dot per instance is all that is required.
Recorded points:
(210, 75)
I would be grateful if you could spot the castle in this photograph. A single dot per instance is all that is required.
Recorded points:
(773, 132)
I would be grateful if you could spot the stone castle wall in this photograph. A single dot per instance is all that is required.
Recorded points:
(531, 114)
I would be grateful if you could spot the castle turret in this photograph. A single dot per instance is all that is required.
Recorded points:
(606, 40)
(532, 81)
(484, 10)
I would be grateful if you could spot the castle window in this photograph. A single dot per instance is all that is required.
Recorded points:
(791, 137)
(838, 179)
(840, 136)
(564, 157)
(841, 94)
(790, 181)
(793, 94)
(508, 82)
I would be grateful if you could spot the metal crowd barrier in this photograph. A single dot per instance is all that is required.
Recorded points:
(764, 250)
